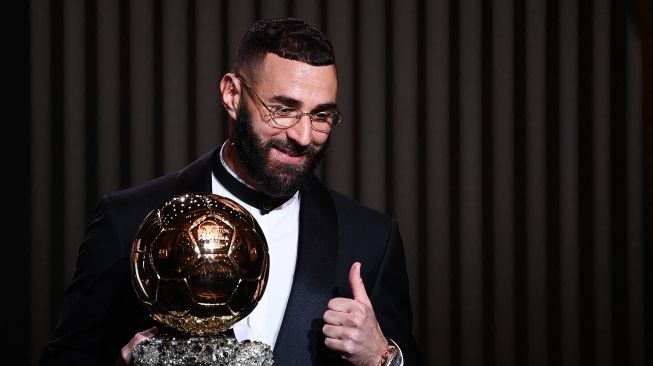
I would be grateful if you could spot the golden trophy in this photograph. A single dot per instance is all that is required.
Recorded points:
(199, 264)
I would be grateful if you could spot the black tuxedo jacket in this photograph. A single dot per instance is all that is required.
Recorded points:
(100, 311)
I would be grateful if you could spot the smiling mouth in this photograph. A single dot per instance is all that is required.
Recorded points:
(288, 156)
(291, 153)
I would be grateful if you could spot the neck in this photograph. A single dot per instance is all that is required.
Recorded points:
(232, 159)
(240, 187)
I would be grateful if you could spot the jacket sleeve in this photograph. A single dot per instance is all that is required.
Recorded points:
(99, 313)
(391, 298)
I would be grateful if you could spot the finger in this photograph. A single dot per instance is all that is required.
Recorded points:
(337, 318)
(141, 336)
(149, 333)
(357, 286)
(334, 331)
(341, 304)
(344, 348)
(126, 351)
(344, 333)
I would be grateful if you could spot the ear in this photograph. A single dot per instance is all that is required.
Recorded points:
(230, 94)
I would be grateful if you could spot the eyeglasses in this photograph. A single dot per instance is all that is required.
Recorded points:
(286, 117)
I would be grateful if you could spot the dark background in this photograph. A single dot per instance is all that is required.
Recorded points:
(512, 140)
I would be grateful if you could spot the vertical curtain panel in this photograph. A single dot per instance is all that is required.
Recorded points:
(511, 139)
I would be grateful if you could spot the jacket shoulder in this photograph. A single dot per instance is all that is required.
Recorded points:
(352, 211)
(154, 193)
(130, 206)
(149, 194)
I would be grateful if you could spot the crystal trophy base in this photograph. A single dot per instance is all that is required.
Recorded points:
(218, 350)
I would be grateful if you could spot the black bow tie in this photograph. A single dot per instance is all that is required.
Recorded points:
(254, 198)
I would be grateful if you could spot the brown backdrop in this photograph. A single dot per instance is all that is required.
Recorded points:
(510, 138)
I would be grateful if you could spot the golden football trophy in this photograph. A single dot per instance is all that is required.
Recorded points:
(200, 263)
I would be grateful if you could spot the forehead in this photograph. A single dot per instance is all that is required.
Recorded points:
(297, 80)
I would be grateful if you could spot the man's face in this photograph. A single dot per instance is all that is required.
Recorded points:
(279, 160)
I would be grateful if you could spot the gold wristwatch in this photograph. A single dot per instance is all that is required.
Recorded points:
(389, 355)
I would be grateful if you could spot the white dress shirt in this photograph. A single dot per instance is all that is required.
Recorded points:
(281, 229)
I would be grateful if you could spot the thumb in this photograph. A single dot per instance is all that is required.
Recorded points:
(357, 285)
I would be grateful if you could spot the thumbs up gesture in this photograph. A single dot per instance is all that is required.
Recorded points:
(351, 328)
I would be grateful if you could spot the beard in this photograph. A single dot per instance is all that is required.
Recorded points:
(275, 178)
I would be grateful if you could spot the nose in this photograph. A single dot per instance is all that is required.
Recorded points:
(301, 132)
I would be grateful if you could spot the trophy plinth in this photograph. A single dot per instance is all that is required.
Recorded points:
(200, 263)
(217, 350)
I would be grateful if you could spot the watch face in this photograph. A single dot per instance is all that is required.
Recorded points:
(390, 356)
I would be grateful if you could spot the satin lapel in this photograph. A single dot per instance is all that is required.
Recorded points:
(196, 177)
(312, 288)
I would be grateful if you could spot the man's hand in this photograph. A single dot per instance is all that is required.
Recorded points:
(351, 328)
(125, 358)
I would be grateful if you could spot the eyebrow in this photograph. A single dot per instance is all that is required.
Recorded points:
(294, 103)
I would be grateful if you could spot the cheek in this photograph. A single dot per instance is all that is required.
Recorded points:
(319, 138)
(265, 131)
(260, 120)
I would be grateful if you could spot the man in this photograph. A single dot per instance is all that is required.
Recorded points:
(337, 289)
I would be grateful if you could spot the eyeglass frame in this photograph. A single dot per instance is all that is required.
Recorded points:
(298, 117)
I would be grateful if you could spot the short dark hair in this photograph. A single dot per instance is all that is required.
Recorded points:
(288, 38)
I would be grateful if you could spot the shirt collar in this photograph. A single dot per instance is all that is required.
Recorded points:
(234, 184)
